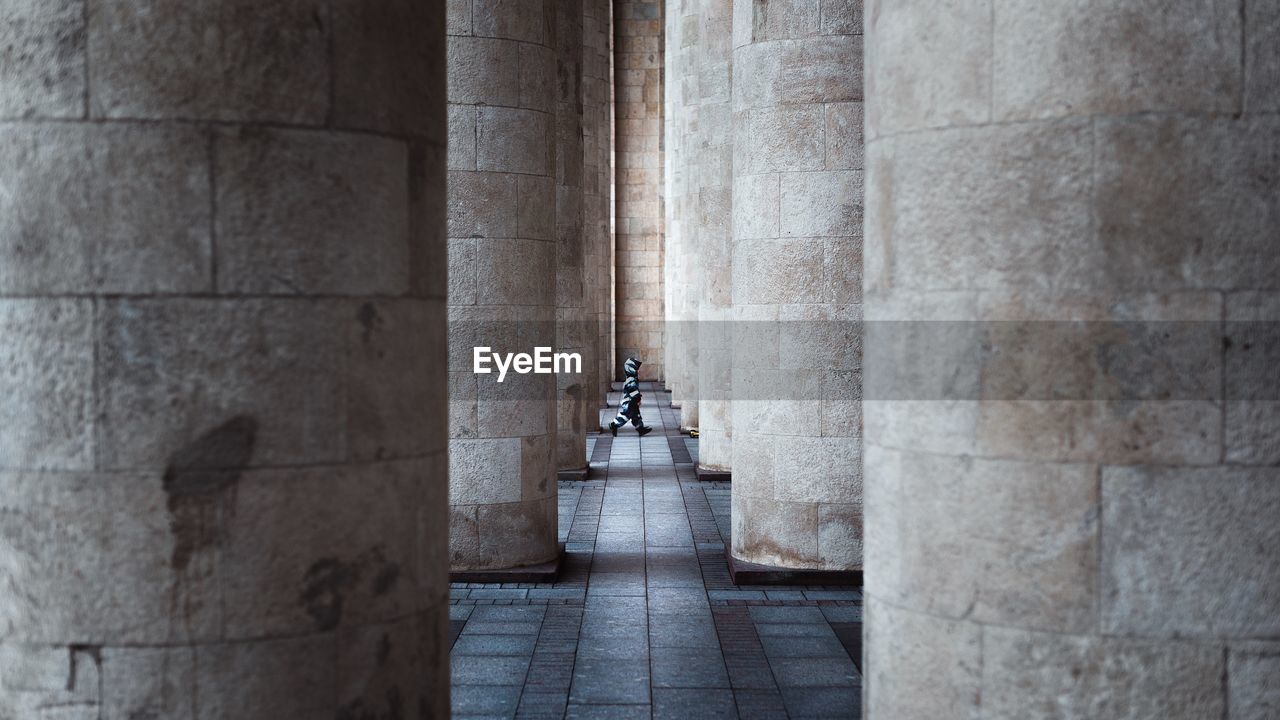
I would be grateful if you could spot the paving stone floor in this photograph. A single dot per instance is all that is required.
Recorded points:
(644, 622)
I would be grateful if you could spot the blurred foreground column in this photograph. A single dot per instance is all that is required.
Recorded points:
(222, 377)
(1072, 430)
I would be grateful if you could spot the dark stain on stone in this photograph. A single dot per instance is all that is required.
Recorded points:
(196, 479)
(358, 710)
(326, 581)
(386, 579)
(369, 319)
(384, 649)
(94, 652)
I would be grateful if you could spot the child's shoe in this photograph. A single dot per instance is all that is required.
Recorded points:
(613, 428)
(644, 430)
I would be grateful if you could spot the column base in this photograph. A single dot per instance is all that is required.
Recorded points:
(579, 474)
(545, 573)
(708, 475)
(742, 572)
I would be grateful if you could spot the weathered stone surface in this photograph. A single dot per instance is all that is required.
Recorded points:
(919, 666)
(1098, 211)
(773, 532)
(927, 67)
(1040, 675)
(531, 21)
(504, 237)
(794, 88)
(1083, 57)
(1154, 587)
(514, 272)
(482, 205)
(513, 140)
(42, 67)
(154, 559)
(755, 213)
(778, 271)
(484, 71)
(1033, 184)
(300, 214)
(1020, 547)
(381, 668)
(238, 61)
(498, 524)
(1200, 201)
(304, 564)
(818, 69)
(844, 136)
(38, 678)
(188, 456)
(385, 77)
(47, 418)
(820, 204)
(1262, 58)
(1253, 689)
(112, 208)
(485, 471)
(387, 418)
(276, 360)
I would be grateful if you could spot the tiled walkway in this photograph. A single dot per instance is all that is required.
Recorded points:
(644, 622)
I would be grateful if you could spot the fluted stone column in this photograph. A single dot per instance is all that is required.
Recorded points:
(713, 177)
(597, 130)
(222, 428)
(502, 281)
(682, 275)
(571, 278)
(797, 285)
(1073, 514)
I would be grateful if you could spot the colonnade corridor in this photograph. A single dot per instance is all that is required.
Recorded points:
(644, 620)
(956, 327)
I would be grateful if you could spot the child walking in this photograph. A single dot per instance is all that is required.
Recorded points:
(630, 407)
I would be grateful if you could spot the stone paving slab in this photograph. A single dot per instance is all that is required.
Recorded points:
(644, 621)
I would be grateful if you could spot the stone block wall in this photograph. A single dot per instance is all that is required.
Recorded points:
(638, 78)
(222, 288)
(503, 273)
(1047, 549)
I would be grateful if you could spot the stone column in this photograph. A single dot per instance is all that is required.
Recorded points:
(797, 285)
(502, 282)
(713, 177)
(1071, 502)
(597, 130)
(638, 30)
(682, 271)
(571, 278)
(222, 437)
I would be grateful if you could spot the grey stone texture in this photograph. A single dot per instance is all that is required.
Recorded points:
(710, 175)
(222, 304)
(797, 241)
(597, 196)
(515, 234)
(639, 187)
(1094, 556)
(572, 329)
(682, 272)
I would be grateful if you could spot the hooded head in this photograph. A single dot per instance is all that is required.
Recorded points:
(631, 367)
